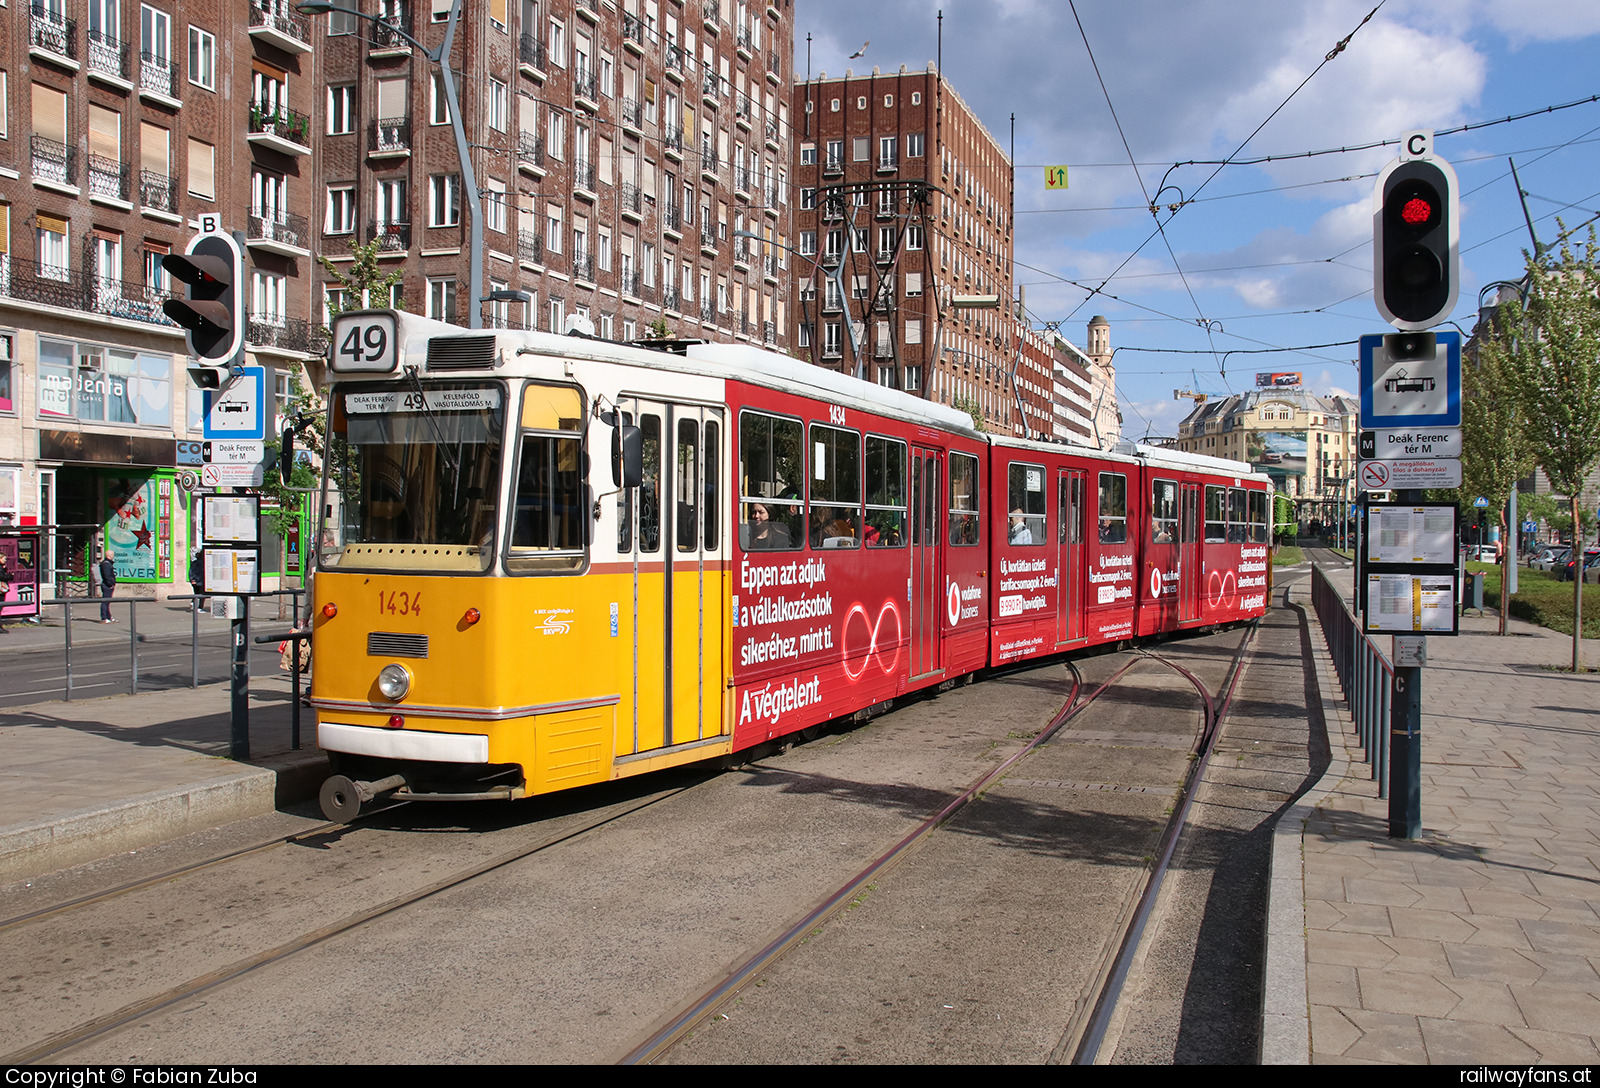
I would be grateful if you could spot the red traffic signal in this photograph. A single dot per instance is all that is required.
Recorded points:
(212, 310)
(1415, 244)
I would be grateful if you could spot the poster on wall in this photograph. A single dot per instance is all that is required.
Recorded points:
(132, 506)
(1279, 454)
(21, 585)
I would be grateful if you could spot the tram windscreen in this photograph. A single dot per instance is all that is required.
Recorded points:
(414, 474)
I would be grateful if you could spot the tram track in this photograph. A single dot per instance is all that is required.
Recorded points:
(1082, 1037)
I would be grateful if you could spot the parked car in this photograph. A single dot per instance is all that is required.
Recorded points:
(1591, 559)
(1551, 559)
(1484, 553)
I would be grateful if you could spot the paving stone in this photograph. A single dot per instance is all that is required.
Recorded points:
(1459, 1042)
(1388, 990)
(1333, 984)
(1386, 1037)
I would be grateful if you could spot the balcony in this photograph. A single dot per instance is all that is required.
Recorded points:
(388, 37)
(583, 267)
(741, 252)
(743, 43)
(583, 180)
(710, 15)
(273, 21)
(53, 37)
(833, 166)
(708, 312)
(631, 114)
(278, 231)
(158, 193)
(630, 203)
(708, 239)
(708, 86)
(769, 267)
(769, 332)
(672, 141)
(75, 289)
(741, 112)
(774, 69)
(630, 285)
(280, 128)
(743, 181)
(108, 60)
(530, 247)
(55, 165)
(673, 63)
(158, 80)
(669, 299)
(530, 56)
(888, 164)
(633, 34)
(584, 95)
(392, 238)
(709, 163)
(108, 181)
(389, 138)
(772, 135)
(287, 334)
(530, 154)
(672, 220)
(588, 9)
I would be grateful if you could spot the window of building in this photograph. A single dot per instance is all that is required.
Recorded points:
(808, 154)
(438, 101)
(441, 10)
(861, 102)
(202, 58)
(554, 233)
(269, 295)
(444, 200)
(494, 204)
(859, 146)
(913, 236)
(916, 98)
(51, 236)
(558, 45)
(341, 109)
(835, 105)
(442, 298)
(498, 103)
(341, 217)
(914, 145)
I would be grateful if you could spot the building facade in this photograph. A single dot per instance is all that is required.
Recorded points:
(1306, 443)
(904, 224)
(123, 122)
(630, 159)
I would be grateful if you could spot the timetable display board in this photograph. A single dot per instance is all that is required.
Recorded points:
(232, 519)
(1408, 569)
(232, 570)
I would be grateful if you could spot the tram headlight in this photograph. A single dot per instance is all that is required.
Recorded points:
(394, 682)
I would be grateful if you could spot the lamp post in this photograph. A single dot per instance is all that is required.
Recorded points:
(469, 177)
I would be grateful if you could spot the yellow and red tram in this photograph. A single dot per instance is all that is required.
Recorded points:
(547, 561)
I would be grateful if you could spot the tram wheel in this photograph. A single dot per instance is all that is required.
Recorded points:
(340, 800)
(810, 733)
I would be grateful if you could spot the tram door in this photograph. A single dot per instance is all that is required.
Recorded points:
(1189, 553)
(679, 573)
(926, 583)
(1069, 555)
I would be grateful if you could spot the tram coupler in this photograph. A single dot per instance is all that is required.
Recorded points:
(341, 798)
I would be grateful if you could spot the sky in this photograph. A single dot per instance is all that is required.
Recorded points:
(1257, 257)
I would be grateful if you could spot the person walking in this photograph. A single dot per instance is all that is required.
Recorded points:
(108, 583)
(5, 589)
(197, 578)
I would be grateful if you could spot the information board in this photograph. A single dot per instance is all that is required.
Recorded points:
(232, 519)
(232, 570)
(1411, 603)
(1412, 534)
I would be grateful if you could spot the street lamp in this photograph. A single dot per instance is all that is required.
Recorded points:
(469, 177)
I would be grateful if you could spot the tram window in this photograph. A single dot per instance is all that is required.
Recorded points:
(966, 527)
(1113, 508)
(835, 487)
(1163, 511)
(1236, 515)
(771, 467)
(650, 485)
(713, 474)
(1070, 531)
(625, 504)
(886, 493)
(1216, 515)
(550, 514)
(687, 522)
(1025, 504)
(1258, 517)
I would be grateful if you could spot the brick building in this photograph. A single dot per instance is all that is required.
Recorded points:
(122, 123)
(622, 152)
(905, 207)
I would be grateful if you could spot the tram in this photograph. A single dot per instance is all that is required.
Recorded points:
(549, 561)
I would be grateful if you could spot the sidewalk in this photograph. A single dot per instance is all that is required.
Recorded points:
(1479, 942)
(86, 779)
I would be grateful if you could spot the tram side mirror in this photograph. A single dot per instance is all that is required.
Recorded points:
(627, 456)
(286, 455)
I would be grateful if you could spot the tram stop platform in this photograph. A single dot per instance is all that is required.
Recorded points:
(87, 779)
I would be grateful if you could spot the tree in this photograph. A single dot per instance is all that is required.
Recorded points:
(971, 406)
(1495, 451)
(363, 282)
(1551, 348)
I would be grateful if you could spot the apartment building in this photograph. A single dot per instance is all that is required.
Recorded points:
(630, 160)
(121, 122)
(904, 223)
(1306, 443)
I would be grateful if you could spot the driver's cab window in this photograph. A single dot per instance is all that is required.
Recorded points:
(549, 508)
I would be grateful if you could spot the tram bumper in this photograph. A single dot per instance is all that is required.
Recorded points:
(409, 765)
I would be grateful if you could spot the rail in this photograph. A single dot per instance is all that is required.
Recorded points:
(1366, 676)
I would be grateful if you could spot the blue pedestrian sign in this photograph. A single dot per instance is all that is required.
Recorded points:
(1411, 380)
(1480, 502)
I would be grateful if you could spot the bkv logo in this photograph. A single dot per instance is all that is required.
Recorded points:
(555, 621)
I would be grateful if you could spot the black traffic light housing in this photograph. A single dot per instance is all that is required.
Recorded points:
(212, 309)
(1416, 265)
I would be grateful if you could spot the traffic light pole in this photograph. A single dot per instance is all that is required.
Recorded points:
(1405, 740)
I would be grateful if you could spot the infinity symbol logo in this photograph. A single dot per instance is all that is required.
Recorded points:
(1220, 587)
(872, 649)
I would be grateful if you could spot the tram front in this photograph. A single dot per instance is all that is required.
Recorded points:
(453, 520)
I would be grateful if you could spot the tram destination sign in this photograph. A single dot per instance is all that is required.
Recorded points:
(430, 400)
(1406, 442)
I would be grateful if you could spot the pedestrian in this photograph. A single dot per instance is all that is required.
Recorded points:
(197, 578)
(108, 583)
(5, 590)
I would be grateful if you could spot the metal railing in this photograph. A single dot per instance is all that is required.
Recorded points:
(388, 134)
(108, 55)
(1366, 676)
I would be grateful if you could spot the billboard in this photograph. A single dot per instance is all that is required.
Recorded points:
(1281, 455)
(1279, 378)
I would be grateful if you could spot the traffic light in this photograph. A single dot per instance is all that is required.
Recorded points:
(213, 307)
(1416, 243)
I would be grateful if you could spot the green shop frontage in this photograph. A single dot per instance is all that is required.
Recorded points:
(128, 495)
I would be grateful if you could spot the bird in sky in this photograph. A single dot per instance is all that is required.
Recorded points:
(862, 50)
